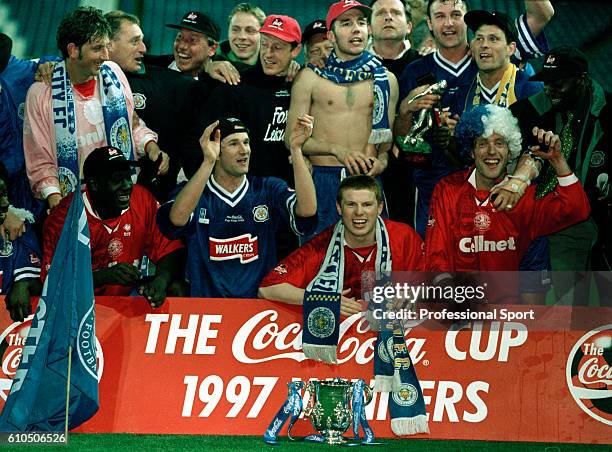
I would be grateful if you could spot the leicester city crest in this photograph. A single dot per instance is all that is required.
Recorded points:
(67, 180)
(260, 213)
(321, 322)
(406, 395)
(379, 104)
(140, 101)
(120, 136)
(384, 348)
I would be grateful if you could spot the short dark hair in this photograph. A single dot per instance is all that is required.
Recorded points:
(81, 26)
(430, 2)
(359, 182)
(116, 18)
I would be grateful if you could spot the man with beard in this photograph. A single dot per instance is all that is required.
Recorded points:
(123, 229)
(452, 62)
(353, 98)
(575, 107)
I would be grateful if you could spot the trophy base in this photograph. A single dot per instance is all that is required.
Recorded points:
(332, 437)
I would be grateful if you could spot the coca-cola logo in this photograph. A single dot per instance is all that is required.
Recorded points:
(262, 339)
(12, 340)
(589, 373)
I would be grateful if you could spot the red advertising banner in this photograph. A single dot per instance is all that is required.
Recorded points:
(207, 366)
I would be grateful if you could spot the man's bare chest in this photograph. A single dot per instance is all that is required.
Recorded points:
(348, 96)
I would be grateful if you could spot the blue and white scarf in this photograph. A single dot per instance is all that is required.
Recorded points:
(365, 67)
(116, 122)
(321, 311)
(394, 373)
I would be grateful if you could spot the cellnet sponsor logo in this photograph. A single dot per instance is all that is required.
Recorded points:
(243, 247)
(478, 244)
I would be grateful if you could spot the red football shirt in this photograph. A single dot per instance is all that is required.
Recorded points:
(123, 239)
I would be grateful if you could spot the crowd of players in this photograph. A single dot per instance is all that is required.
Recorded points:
(250, 155)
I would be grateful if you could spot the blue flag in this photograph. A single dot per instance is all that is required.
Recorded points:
(65, 318)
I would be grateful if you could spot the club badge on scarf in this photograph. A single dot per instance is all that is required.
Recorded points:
(321, 310)
(114, 113)
(364, 67)
(394, 373)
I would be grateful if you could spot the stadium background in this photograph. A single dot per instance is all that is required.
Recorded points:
(32, 25)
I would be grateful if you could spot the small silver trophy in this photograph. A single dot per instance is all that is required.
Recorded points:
(414, 142)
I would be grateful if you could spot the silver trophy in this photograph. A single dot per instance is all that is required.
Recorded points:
(414, 141)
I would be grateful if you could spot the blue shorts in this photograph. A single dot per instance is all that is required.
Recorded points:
(535, 267)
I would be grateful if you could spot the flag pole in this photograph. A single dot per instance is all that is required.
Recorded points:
(68, 391)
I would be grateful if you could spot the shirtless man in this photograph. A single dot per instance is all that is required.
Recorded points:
(352, 133)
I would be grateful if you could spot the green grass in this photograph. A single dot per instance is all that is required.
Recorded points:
(203, 443)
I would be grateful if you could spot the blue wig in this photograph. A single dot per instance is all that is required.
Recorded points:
(484, 121)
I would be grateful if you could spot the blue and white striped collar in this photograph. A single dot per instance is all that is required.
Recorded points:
(231, 199)
(455, 69)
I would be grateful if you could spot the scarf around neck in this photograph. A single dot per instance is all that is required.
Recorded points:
(116, 123)
(364, 67)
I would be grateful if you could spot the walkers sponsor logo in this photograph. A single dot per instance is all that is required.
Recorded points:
(243, 247)
(478, 244)
(589, 373)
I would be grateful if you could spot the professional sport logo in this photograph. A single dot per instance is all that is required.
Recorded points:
(6, 247)
(379, 103)
(12, 340)
(589, 373)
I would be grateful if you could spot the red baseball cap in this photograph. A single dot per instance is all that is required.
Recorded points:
(282, 27)
(343, 6)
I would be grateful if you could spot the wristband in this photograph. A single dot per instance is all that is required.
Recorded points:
(520, 177)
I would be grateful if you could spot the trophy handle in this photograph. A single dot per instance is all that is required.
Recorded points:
(368, 394)
(311, 397)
